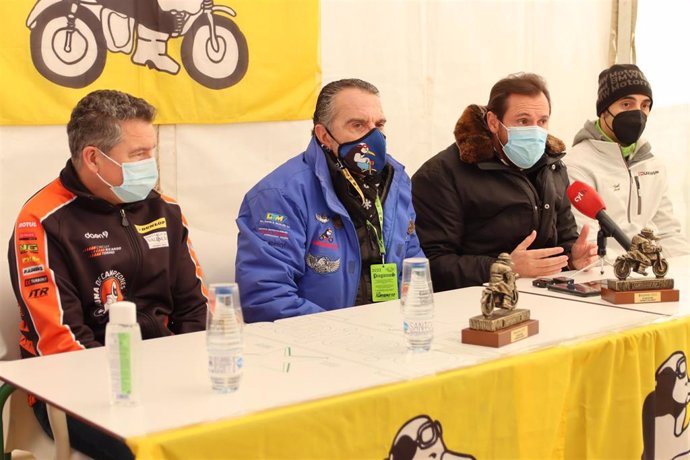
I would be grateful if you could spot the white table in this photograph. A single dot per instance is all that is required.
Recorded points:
(679, 270)
(296, 360)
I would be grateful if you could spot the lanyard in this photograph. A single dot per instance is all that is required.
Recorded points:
(379, 238)
(379, 211)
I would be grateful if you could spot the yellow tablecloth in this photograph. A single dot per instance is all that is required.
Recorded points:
(581, 400)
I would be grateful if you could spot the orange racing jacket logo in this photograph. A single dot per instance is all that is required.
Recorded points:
(108, 289)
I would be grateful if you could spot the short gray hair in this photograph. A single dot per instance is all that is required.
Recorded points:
(96, 120)
(323, 114)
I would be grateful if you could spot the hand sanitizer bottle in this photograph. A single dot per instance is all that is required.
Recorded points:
(123, 343)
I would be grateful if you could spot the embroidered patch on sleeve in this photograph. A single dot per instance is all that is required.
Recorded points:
(273, 225)
(275, 217)
(273, 233)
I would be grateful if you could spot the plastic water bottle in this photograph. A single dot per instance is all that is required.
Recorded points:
(123, 344)
(418, 311)
(224, 339)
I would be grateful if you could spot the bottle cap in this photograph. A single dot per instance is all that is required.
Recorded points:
(123, 313)
(223, 290)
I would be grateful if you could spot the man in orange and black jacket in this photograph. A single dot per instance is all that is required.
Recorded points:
(99, 234)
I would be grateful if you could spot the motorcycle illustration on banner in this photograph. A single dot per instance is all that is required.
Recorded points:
(70, 39)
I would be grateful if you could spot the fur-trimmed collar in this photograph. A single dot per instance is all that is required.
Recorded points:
(473, 137)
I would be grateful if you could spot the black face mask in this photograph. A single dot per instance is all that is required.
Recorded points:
(628, 126)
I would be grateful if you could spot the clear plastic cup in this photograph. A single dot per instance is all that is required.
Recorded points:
(224, 342)
(417, 303)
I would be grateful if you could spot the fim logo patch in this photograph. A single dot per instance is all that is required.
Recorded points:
(422, 438)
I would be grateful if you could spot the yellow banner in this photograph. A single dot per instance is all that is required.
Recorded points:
(622, 396)
(259, 61)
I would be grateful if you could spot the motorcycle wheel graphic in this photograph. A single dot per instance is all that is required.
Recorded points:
(215, 69)
(71, 57)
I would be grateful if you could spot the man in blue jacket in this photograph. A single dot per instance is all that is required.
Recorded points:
(316, 231)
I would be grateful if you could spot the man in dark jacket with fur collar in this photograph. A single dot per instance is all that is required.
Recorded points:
(501, 187)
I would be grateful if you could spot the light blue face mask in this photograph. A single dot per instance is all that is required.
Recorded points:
(525, 145)
(139, 178)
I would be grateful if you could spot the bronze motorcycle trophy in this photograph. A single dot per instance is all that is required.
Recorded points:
(644, 253)
(500, 322)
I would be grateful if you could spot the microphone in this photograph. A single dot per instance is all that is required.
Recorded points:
(589, 202)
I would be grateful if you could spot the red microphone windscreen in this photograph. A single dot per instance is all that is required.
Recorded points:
(585, 199)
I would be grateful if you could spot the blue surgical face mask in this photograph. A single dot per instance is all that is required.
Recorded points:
(525, 145)
(139, 178)
(366, 155)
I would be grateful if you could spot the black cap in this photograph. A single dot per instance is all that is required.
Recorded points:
(618, 81)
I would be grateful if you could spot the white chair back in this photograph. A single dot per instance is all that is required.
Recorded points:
(25, 433)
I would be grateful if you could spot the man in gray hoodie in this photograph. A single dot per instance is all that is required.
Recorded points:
(609, 155)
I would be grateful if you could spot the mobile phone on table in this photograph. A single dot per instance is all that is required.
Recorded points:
(588, 289)
(542, 282)
(562, 279)
(545, 282)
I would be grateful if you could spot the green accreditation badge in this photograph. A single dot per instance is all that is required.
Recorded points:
(384, 282)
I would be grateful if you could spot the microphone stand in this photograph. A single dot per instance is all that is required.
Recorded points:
(601, 252)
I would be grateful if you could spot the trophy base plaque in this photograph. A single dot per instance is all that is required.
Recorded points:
(503, 327)
(640, 291)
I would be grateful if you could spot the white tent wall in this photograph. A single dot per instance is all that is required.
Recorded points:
(429, 58)
(662, 42)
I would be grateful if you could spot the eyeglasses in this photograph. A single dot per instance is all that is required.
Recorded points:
(681, 368)
(428, 434)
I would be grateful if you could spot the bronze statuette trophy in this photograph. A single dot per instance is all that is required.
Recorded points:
(500, 322)
(644, 253)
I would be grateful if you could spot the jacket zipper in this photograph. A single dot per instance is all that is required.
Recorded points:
(639, 196)
(630, 176)
(384, 194)
(138, 258)
(638, 189)
(125, 222)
